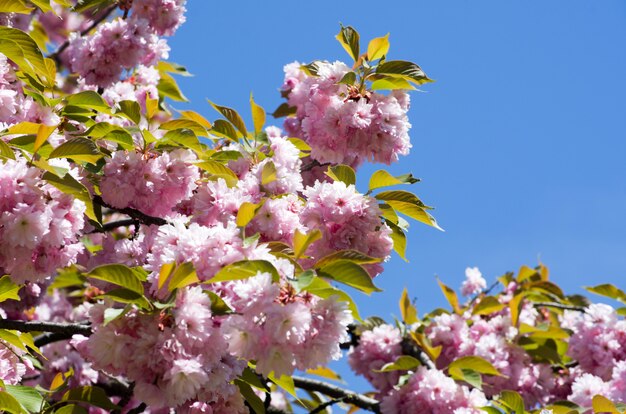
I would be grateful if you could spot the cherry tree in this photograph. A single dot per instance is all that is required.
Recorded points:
(156, 261)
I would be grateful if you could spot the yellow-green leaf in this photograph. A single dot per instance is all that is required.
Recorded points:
(78, 149)
(402, 69)
(407, 309)
(258, 116)
(196, 117)
(9, 404)
(602, 404)
(232, 116)
(378, 47)
(24, 52)
(118, 275)
(475, 363)
(382, 178)
(245, 269)
(302, 241)
(402, 363)
(324, 372)
(69, 185)
(351, 274)
(349, 39)
(43, 132)
(8, 289)
(14, 6)
(246, 213)
(191, 124)
(451, 296)
(351, 255)
(342, 173)
(487, 306)
(268, 174)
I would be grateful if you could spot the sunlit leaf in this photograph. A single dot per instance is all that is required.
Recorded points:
(244, 270)
(349, 273)
(407, 309)
(78, 149)
(349, 39)
(8, 289)
(118, 274)
(302, 241)
(378, 47)
(342, 173)
(402, 363)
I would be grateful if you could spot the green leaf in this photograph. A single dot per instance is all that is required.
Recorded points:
(8, 289)
(196, 117)
(407, 309)
(250, 396)
(268, 174)
(218, 306)
(111, 314)
(43, 133)
(71, 409)
(44, 5)
(9, 404)
(88, 100)
(602, 404)
(609, 291)
(246, 213)
(28, 397)
(284, 110)
(513, 401)
(14, 6)
(303, 280)
(399, 239)
(472, 377)
(390, 83)
(84, 5)
(258, 116)
(415, 212)
(342, 173)
(378, 47)
(487, 306)
(196, 127)
(402, 363)
(185, 138)
(348, 79)
(184, 275)
(91, 395)
(127, 296)
(491, 410)
(352, 255)
(69, 185)
(118, 274)
(131, 110)
(225, 129)
(245, 269)
(285, 382)
(324, 372)
(218, 169)
(382, 178)
(78, 149)
(6, 151)
(302, 241)
(401, 196)
(168, 88)
(232, 116)
(451, 296)
(349, 273)
(349, 39)
(406, 70)
(114, 133)
(24, 52)
(300, 144)
(474, 363)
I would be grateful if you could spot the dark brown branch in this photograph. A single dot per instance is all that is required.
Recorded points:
(51, 327)
(134, 214)
(559, 306)
(116, 224)
(410, 347)
(56, 55)
(48, 338)
(362, 401)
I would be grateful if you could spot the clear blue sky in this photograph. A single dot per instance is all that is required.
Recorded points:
(521, 142)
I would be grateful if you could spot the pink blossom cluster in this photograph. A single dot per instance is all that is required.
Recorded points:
(347, 220)
(283, 331)
(163, 16)
(176, 359)
(491, 338)
(377, 347)
(39, 225)
(118, 45)
(340, 127)
(474, 282)
(151, 184)
(139, 87)
(432, 392)
(12, 366)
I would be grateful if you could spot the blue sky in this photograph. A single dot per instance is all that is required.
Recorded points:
(520, 143)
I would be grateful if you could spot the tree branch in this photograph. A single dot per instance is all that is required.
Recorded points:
(326, 404)
(56, 55)
(559, 306)
(115, 224)
(52, 327)
(333, 391)
(409, 347)
(134, 214)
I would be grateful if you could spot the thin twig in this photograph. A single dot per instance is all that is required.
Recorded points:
(362, 401)
(135, 214)
(52, 327)
(326, 404)
(559, 306)
(56, 55)
(411, 348)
